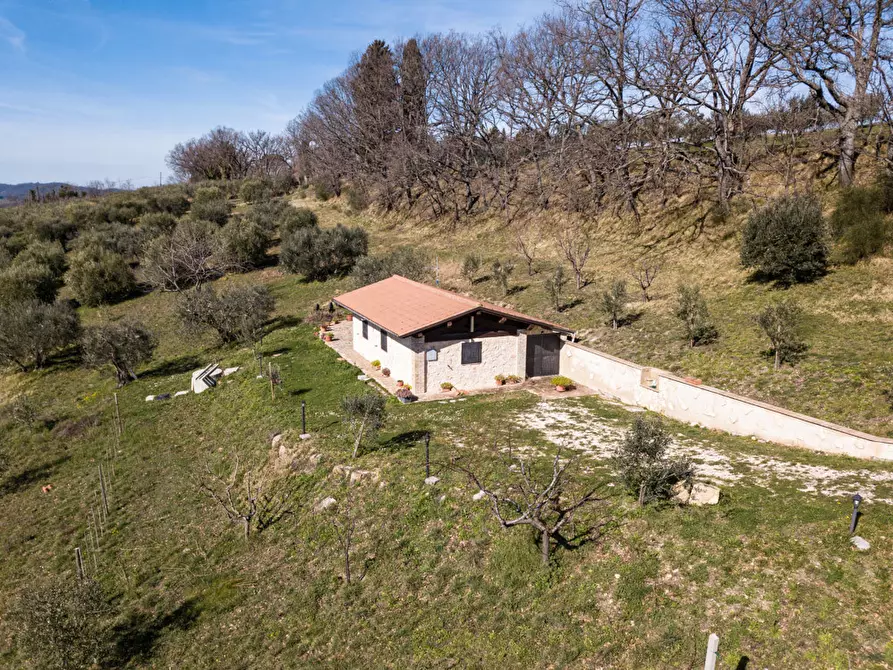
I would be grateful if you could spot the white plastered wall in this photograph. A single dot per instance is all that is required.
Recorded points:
(399, 357)
(499, 355)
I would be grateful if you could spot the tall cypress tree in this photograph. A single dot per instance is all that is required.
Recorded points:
(413, 84)
(374, 89)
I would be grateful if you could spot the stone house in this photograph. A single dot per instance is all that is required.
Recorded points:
(427, 336)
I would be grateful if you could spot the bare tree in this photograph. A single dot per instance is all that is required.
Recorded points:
(645, 272)
(575, 241)
(545, 501)
(527, 241)
(348, 531)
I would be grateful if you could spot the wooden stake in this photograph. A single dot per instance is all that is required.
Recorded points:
(95, 526)
(270, 374)
(105, 498)
(79, 560)
(712, 652)
(93, 546)
(642, 495)
(119, 429)
(427, 456)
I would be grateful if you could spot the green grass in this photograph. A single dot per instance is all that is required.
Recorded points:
(769, 569)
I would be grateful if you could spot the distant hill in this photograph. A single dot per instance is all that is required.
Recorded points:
(22, 190)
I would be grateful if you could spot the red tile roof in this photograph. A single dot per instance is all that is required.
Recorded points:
(405, 307)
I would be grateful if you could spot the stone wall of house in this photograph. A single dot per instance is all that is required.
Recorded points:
(499, 355)
(400, 358)
(695, 403)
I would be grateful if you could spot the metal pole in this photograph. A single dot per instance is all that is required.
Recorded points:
(303, 417)
(857, 499)
(427, 455)
(80, 562)
(712, 652)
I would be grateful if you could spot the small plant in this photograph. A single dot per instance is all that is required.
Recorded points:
(646, 470)
(446, 386)
(858, 224)
(400, 383)
(691, 309)
(614, 302)
(502, 272)
(513, 379)
(386, 372)
(562, 383)
(554, 286)
(645, 272)
(500, 380)
(781, 323)
(470, 267)
(376, 363)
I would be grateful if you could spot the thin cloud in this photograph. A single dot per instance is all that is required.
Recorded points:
(11, 34)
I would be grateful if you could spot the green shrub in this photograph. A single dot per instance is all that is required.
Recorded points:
(215, 211)
(614, 302)
(50, 254)
(31, 331)
(154, 224)
(254, 190)
(187, 256)
(471, 265)
(244, 243)
(357, 199)
(236, 314)
(691, 309)
(501, 273)
(858, 224)
(30, 280)
(322, 191)
(319, 254)
(291, 219)
(404, 261)
(207, 194)
(781, 323)
(97, 276)
(117, 237)
(643, 464)
(786, 240)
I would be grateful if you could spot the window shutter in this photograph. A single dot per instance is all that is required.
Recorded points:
(365, 330)
(384, 341)
(471, 353)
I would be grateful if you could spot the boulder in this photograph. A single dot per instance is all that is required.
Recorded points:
(432, 480)
(325, 504)
(699, 494)
(355, 474)
(480, 495)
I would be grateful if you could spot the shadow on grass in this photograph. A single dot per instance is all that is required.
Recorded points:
(299, 392)
(570, 305)
(480, 280)
(407, 440)
(30, 476)
(515, 290)
(135, 638)
(283, 322)
(629, 319)
(175, 366)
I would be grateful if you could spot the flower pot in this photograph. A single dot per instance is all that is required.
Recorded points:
(399, 383)
(327, 337)
(350, 317)
(560, 389)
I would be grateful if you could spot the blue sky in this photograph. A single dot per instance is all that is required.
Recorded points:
(96, 89)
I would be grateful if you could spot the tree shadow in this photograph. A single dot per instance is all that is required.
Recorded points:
(67, 359)
(589, 534)
(782, 283)
(283, 322)
(175, 366)
(135, 638)
(406, 440)
(30, 476)
(629, 319)
(742, 663)
(515, 290)
(570, 305)
(299, 392)
(481, 280)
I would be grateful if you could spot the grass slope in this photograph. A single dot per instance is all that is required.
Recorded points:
(769, 569)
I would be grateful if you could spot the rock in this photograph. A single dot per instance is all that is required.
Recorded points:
(681, 493)
(179, 393)
(432, 480)
(229, 371)
(363, 378)
(304, 436)
(150, 398)
(277, 440)
(704, 494)
(325, 503)
(860, 543)
(480, 495)
(355, 474)
(442, 499)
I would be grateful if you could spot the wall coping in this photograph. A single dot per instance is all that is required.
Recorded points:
(735, 396)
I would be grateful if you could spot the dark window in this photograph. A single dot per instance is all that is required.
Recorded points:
(471, 353)
(365, 330)
(384, 341)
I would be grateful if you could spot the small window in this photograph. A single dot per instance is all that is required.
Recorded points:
(365, 330)
(471, 353)
(384, 341)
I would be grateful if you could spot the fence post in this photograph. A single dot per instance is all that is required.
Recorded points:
(712, 652)
(427, 456)
(80, 562)
(303, 417)
(105, 500)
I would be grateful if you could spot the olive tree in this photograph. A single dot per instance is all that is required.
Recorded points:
(31, 331)
(364, 415)
(691, 309)
(236, 314)
(781, 323)
(614, 302)
(319, 254)
(187, 256)
(645, 467)
(123, 346)
(98, 276)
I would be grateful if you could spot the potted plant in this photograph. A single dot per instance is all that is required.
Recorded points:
(386, 372)
(562, 383)
(328, 337)
(376, 364)
(404, 394)
(500, 380)
(513, 379)
(399, 383)
(350, 317)
(446, 386)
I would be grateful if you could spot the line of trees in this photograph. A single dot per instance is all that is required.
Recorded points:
(604, 106)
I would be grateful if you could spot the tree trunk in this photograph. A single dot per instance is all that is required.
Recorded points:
(246, 522)
(346, 564)
(545, 546)
(846, 166)
(777, 359)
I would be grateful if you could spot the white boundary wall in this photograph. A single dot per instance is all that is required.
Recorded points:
(695, 403)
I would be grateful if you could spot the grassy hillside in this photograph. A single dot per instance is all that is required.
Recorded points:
(846, 376)
(769, 569)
